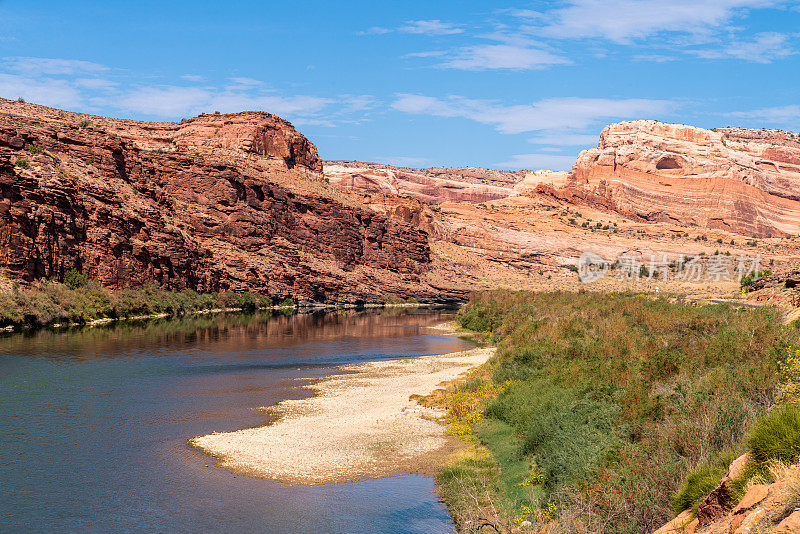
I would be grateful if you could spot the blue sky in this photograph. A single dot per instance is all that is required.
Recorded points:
(492, 84)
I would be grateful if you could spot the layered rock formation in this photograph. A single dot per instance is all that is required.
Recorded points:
(744, 181)
(211, 203)
(240, 202)
(434, 185)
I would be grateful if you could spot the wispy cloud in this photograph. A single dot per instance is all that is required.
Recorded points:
(778, 115)
(565, 139)
(763, 48)
(375, 30)
(47, 91)
(567, 113)
(37, 66)
(539, 161)
(500, 56)
(430, 27)
(623, 21)
(91, 87)
(420, 27)
(176, 101)
(661, 31)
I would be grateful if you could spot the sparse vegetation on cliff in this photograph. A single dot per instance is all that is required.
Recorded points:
(610, 401)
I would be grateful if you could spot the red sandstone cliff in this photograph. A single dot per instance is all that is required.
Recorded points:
(210, 203)
(743, 181)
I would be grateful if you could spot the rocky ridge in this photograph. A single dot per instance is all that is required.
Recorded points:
(434, 185)
(211, 203)
(743, 181)
(243, 202)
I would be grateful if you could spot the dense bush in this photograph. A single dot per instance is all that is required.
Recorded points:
(75, 279)
(617, 397)
(776, 436)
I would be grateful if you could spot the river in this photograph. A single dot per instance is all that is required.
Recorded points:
(94, 423)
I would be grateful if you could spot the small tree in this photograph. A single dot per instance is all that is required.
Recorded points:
(75, 279)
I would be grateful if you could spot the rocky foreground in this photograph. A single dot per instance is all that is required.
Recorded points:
(244, 202)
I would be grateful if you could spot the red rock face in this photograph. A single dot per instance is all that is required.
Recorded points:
(434, 185)
(211, 203)
(744, 181)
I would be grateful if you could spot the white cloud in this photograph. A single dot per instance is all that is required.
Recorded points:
(567, 113)
(353, 103)
(506, 51)
(45, 91)
(99, 84)
(539, 161)
(37, 66)
(623, 21)
(654, 58)
(565, 139)
(430, 27)
(70, 84)
(375, 30)
(764, 48)
(192, 78)
(165, 101)
(782, 115)
(500, 56)
(175, 101)
(246, 82)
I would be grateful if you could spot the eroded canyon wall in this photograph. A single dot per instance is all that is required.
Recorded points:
(211, 203)
(743, 181)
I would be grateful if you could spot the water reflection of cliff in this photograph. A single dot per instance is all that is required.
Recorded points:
(221, 332)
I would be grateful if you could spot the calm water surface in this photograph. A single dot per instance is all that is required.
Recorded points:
(94, 424)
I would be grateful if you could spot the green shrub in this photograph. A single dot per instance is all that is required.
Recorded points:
(75, 279)
(22, 163)
(702, 481)
(776, 436)
(567, 430)
(751, 277)
(246, 302)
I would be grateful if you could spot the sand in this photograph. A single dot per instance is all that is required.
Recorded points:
(359, 425)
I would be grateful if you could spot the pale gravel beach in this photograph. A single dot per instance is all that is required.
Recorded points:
(358, 425)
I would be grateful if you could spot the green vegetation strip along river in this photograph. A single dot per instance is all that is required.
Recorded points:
(598, 406)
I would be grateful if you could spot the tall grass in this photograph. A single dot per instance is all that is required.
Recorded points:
(617, 397)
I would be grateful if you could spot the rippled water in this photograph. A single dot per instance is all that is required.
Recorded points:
(94, 424)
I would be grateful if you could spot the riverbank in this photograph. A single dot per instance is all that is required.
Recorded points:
(600, 408)
(359, 424)
(85, 303)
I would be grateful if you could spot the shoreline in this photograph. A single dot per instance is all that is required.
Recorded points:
(360, 423)
(295, 308)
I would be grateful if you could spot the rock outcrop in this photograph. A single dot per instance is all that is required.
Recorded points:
(743, 181)
(434, 185)
(211, 203)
